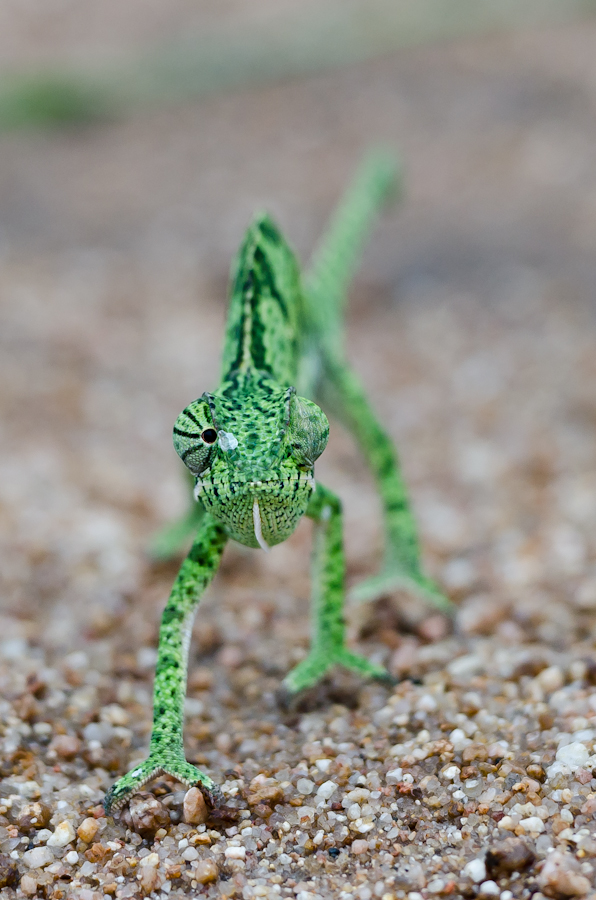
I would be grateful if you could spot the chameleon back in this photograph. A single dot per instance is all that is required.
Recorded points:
(265, 307)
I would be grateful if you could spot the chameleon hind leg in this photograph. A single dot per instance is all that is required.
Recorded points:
(328, 647)
(166, 750)
(402, 567)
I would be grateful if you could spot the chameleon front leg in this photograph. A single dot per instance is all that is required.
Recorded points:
(328, 647)
(402, 564)
(166, 750)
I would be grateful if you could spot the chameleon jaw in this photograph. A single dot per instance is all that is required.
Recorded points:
(256, 517)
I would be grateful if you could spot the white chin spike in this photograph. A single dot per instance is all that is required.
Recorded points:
(256, 517)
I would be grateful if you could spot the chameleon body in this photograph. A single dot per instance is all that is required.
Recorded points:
(251, 446)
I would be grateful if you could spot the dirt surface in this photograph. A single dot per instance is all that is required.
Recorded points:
(473, 325)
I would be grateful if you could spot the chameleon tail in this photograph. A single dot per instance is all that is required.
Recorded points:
(337, 255)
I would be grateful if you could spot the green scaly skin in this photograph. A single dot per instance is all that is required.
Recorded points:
(251, 446)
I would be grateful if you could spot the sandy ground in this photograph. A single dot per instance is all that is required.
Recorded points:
(472, 323)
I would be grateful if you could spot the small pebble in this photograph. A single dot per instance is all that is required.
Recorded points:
(532, 825)
(72, 857)
(146, 814)
(475, 870)
(327, 789)
(28, 885)
(195, 810)
(359, 847)
(38, 857)
(206, 871)
(235, 853)
(88, 829)
(489, 889)
(66, 746)
(573, 755)
(63, 834)
(561, 876)
(510, 855)
(149, 879)
(305, 786)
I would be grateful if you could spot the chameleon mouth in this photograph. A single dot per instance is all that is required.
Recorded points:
(256, 518)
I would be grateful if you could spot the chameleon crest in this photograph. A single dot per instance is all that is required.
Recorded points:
(251, 445)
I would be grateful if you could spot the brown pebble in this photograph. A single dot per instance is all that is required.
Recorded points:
(272, 794)
(9, 872)
(145, 814)
(230, 657)
(510, 855)
(475, 751)
(405, 657)
(434, 628)
(88, 829)
(561, 877)
(200, 679)
(97, 853)
(206, 871)
(195, 810)
(537, 772)
(66, 746)
(34, 815)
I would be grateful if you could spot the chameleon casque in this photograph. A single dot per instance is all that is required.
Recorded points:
(251, 446)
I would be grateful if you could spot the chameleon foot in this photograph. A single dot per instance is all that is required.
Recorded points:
(318, 663)
(393, 579)
(153, 766)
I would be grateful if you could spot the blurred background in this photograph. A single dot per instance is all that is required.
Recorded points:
(136, 140)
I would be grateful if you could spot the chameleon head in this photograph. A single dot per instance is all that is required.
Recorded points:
(252, 447)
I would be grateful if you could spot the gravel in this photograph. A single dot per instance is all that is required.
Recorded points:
(473, 327)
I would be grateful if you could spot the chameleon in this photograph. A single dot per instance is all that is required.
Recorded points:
(250, 447)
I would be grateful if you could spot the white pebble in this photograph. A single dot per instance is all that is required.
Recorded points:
(235, 853)
(450, 773)
(475, 870)
(573, 755)
(305, 786)
(190, 853)
(489, 889)
(72, 857)
(394, 776)
(63, 835)
(152, 859)
(38, 857)
(323, 765)
(533, 825)
(327, 789)
(459, 739)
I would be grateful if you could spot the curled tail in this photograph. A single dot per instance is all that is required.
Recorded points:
(338, 253)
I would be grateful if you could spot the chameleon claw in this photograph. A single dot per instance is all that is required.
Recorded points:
(392, 580)
(317, 664)
(151, 768)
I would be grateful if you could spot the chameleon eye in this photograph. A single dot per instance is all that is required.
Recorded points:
(308, 431)
(194, 437)
(209, 436)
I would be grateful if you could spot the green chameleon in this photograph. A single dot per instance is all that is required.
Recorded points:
(251, 446)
